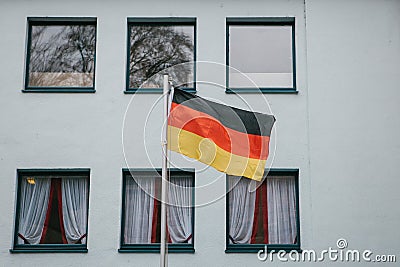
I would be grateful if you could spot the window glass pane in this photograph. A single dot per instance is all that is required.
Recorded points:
(263, 53)
(267, 215)
(52, 210)
(142, 215)
(62, 56)
(154, 48)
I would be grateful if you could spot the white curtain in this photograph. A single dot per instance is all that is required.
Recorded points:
(241, 210)
(139, 207)
(282, 225)
(74, 208)
(34, 203)
(179, 212)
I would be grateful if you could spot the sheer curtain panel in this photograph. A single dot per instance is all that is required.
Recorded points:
(139, 207)
(74, 208)
(282, 226)
(241, 210)
(180, 210)
(33, 209)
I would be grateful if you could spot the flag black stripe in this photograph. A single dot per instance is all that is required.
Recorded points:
(231, 117)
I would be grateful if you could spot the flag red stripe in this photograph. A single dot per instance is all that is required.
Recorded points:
(206, 126)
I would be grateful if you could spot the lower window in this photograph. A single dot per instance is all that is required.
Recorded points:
(52, 210)
(141, 214)
(263, 213)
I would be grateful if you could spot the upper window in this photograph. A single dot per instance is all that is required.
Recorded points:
(141, 216)
(156, 45)
(263, 213)
(52, 210)
(261, 54)
(61, 55)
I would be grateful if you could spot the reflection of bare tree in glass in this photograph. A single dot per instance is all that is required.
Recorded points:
(155, 48)
(62, 55)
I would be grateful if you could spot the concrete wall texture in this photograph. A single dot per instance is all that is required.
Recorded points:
(341, 130)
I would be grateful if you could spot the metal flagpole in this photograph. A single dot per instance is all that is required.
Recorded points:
(164, 182)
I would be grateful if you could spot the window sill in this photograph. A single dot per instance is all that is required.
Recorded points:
(59, 90)
(49, 249)
(261, 90)
(153, 90)
(255, 248)
(155, 248)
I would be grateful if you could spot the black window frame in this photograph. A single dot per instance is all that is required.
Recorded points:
(155, 247)
(159, 21)
(254, 248)
(57, 21)
(48, 248)
(262, 21)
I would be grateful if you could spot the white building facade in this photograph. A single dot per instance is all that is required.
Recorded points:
(336, 124)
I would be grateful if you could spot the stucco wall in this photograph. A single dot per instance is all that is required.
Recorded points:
(341, 130)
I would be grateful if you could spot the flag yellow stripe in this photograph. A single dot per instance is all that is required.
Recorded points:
(206, 151)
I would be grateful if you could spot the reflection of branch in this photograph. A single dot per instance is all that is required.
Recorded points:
(138, 61)
(156, 67)
(153, 48)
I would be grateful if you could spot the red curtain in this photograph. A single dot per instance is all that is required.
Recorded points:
(261, 199)
(55, 190)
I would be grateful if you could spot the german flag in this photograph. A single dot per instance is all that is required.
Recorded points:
(231, 140)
